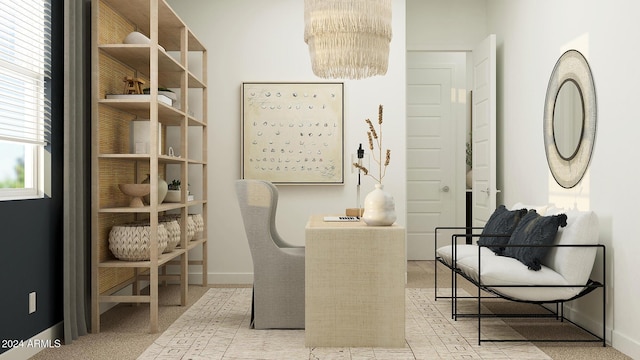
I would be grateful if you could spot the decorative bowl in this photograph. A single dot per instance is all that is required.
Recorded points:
(136, 191)
(136, 37)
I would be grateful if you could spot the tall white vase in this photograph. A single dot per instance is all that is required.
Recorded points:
(163, 187)
(379, 207)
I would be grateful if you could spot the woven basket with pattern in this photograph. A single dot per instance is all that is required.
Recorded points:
(131, 242)
(199, 225)
(173, 229)
(191, 228)
(191, 224)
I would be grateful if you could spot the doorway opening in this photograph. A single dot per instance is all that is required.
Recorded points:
(438, 123)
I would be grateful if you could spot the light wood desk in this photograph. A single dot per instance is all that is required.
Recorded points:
(354, 284)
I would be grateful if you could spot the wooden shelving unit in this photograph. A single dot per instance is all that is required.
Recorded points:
(174, 59)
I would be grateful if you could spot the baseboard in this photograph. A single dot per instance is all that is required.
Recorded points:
(626, 345)
(587, 322)
(225, 278)
(620, 342)
(49, 338)
(195, 278)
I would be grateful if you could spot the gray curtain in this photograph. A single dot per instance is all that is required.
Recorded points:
(76, 208)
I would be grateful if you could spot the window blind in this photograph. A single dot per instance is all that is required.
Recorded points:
(25, 70)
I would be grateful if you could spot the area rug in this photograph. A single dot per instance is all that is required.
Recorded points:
(217, 327)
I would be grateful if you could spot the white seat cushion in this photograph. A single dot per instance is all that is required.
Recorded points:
(502, 270)
(463, 251)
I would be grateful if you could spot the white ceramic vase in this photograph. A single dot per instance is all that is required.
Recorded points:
(163, 187)
(173, 196)
(379, 207)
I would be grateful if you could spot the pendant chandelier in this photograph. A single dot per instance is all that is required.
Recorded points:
(348, 38)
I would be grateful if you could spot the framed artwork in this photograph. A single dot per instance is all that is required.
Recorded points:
(292, 133)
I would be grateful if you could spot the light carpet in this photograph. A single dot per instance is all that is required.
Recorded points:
(217, 327)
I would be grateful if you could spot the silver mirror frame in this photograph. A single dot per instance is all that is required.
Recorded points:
(571, 66)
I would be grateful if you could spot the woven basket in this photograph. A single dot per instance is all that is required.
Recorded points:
(173, 229)
(131, 242)
(191, 224)
(199, 225)
(191, 228)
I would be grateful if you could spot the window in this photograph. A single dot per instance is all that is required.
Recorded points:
(25, 124)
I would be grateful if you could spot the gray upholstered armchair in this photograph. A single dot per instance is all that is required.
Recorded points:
(278, 267)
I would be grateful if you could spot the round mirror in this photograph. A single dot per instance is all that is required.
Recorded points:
(570, 119)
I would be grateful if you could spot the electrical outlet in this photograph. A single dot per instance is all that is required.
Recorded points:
(32, 302)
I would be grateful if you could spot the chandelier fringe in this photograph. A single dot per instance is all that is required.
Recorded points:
(348, 39)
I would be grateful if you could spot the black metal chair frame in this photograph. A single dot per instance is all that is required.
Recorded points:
(558, 314)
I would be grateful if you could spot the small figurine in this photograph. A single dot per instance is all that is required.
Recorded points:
(132, 85)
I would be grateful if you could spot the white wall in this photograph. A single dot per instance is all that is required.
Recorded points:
(532, 34)
(451, 25)
(255, 40)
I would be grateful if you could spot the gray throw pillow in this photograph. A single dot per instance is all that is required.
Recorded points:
(534, 229)
(502, 222)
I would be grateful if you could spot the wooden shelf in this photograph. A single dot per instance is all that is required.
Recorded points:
(196, 162)
(113, 125)
(162, 259)
(138, 56)
(138, 12)
(170, 72)
(196, 202)
(167, 115)
(195, 82)
(195, 243)
(194, 43)
(195, 122)
(144, 209)
(168, 34)
(166, 159)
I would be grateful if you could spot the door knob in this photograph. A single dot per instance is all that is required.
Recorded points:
(486, 191)
(445, 189)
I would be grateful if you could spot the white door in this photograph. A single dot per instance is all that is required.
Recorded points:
(484, 131)
(433, 116)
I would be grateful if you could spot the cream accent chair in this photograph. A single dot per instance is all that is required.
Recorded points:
(278, 267)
